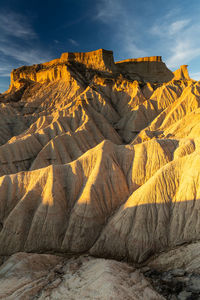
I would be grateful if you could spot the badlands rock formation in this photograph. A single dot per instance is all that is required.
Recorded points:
(149, 69)
(99, 159)
(44, 276)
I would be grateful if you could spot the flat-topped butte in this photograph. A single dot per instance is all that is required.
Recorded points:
(146, 69)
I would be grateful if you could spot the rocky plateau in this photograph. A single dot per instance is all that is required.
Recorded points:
(100, 180)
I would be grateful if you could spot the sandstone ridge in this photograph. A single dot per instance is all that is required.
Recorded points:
(147, 69)
(100, 59)
(150, 69)
(100, 159)
(181, 73)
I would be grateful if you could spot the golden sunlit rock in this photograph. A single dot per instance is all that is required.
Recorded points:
(182, 73)
(98, 158)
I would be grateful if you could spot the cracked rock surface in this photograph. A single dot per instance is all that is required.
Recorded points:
(42, 276)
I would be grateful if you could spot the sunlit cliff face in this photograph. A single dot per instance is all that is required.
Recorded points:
(99, 157)
(102, 60)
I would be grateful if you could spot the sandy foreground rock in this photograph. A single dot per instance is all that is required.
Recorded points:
(42, 276)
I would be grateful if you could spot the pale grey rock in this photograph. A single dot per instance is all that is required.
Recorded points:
(40, 276)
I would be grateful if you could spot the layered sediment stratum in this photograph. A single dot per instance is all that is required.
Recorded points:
(99, 158)
(150, 69)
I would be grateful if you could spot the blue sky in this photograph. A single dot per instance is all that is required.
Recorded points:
(37, 31)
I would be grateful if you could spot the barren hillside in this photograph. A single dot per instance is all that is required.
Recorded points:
(99, 163)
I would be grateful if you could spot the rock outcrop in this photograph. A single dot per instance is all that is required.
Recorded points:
(83, 278)
(99, 158)
(149, 69)
(101, 60)
(98, 60)
(182, 73)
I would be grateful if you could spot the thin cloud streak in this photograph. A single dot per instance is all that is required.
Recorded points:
(109, 10)
(178, 26)
(169, 28)
(22, 54)
(174, 35)
(182, 53)
(114, 13)
(73, 42)
(5, 71)
(179, 40)
(19, 43)
(15, 25)
(195, 76)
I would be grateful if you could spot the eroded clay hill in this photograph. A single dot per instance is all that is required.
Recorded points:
(100, 158)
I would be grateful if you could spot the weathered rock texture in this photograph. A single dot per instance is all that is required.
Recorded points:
(100, 158)
(149, 69)
(42, 276)
(182, 73)
(98, 60)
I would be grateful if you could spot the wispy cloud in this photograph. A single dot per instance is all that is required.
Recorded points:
(19, 43)
(167, 28)
(183, 52)
(109, 10)
(124, 28)
(73, 42)
(142, 30)
(178, 26)
(195, 76)
(23, 54)
(178, 37)
(5, 71)
(16, 25)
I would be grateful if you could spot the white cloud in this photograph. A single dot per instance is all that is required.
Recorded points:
(178, 39)
(12, 24)
(167, 28)
(115, 14)
(195, 76)
(23, 54)
(182, 53)
(19, 43)
(5, 71)
(178, 26)
(73, 42)
(108, 10)
(129, 46)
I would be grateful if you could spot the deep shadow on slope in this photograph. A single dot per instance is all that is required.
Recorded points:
(66, 207)
(146, 242)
